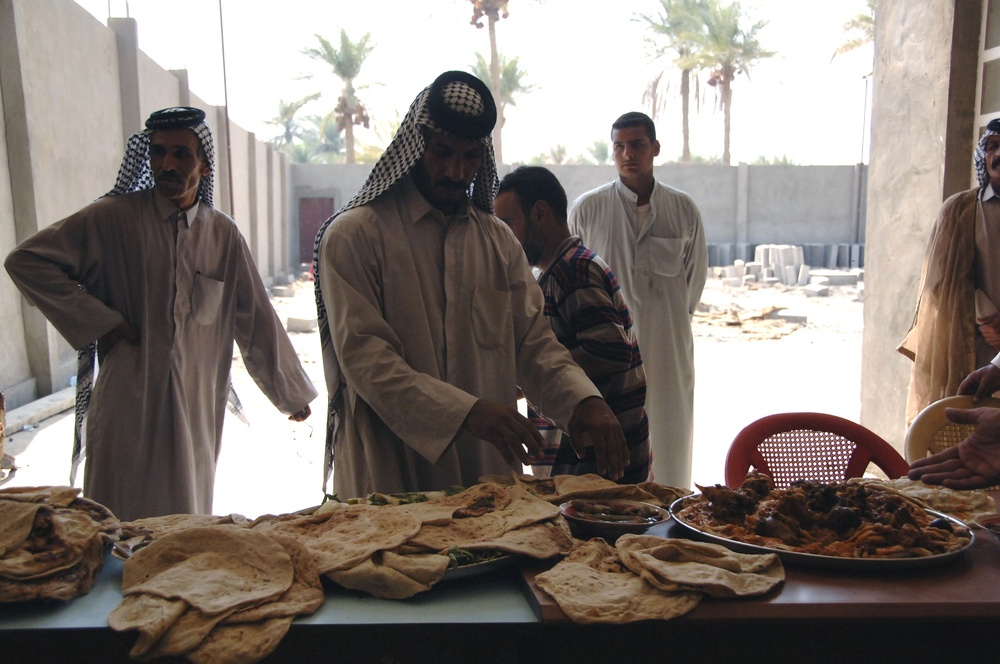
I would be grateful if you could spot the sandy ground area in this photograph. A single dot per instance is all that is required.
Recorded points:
(746, 368)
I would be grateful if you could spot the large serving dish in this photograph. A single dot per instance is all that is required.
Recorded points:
(477, 569)
(815, 560)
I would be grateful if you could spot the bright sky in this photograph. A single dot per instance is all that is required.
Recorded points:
(588, 60)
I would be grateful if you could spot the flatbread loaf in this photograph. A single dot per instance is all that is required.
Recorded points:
(589, 589)
(523, 509)
(213, 568)
(343, 538)
(683, 565)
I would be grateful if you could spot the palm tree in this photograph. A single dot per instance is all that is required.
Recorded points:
(319, 141)
(860, 31)
(493, 10)
(286, 120)
(600, 152)
(346, 63)
(726, 49)
(674, 24)
(384, 133)
(511, 84)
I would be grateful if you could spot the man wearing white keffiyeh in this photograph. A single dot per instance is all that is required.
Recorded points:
(956, 327)
(165, 284)
(430, 318)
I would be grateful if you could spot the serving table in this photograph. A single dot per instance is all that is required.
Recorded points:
(949, 612)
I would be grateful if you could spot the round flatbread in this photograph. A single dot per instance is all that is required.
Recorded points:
(213, 568)
(345, 537)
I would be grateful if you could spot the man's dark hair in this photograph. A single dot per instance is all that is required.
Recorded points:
(636, 119)
(536, 183)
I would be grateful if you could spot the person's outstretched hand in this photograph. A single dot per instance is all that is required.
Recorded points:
(508, 430)
(972, 464)
(981, 383)
(594, 423)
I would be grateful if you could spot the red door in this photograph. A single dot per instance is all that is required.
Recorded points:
(312, 213)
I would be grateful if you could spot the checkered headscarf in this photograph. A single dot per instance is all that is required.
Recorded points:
(456, 104)
(982, 173)
(136, 174)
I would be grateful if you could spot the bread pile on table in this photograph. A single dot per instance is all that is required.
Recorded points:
(644, 577)
(220, 589)
(51, 542)
(218, 593)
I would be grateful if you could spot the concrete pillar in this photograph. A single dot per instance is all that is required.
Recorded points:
(183, 86)
(223, 176)
(742, 202)
(254, 239)
(127, 39)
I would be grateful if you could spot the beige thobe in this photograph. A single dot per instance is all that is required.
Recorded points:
(427, 316)
(944, 341)
(661, 268)
(154, 428)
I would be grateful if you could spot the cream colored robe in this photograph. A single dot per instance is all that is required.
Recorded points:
(942, 338)
(662, 271)
(154, 428)
(425, 319)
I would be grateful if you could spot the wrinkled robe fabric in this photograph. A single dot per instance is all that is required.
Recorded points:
(942, 338)
(154, 428)
(426, 317)
(662, 269)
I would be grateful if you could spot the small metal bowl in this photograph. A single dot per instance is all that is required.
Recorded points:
(608, 518)
(990, 522)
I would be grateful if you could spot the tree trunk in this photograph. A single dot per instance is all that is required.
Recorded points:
(727, 108)
(349, 140)
(685, 110)
(495, 85)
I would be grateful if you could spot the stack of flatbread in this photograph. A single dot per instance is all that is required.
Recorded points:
(645, 577)
(562, 488)
(51, 542)
(397, 551)
(218, 593)
(221, 589)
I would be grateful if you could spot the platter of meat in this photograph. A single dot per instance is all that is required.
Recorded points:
(850, 525)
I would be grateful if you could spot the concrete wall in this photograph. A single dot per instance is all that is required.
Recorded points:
(741, 206)
(922, 146)
(67, 113)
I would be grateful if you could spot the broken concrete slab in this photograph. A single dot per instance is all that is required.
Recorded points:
(300, 324)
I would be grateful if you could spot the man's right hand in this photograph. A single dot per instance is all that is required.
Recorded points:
(981, 383)
(509, 431)
(111, 339)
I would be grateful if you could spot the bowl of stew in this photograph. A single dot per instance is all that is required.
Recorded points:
(611, 518)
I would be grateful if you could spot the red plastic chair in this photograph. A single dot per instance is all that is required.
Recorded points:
(810, 446)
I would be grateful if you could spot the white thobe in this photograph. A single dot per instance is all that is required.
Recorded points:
(428, 315)
(661, 267)
(154, 428)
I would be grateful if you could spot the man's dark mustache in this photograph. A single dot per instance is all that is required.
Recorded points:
(995, 163)
(173, 176)
(451, 184)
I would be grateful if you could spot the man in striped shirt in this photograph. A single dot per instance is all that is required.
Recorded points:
(587, 313)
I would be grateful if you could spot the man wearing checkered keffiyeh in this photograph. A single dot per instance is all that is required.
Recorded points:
(956, 327)
(430, 317)
(166, 284)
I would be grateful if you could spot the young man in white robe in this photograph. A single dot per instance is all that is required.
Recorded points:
(652, 238)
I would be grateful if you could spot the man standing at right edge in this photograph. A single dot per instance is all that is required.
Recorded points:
(652, 238)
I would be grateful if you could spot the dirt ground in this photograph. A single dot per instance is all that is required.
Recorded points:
(746, 367)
